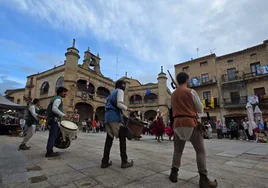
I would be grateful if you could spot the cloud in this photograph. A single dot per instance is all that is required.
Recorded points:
(48, 59)
(159, 33)
(10, 83)
(11, 44)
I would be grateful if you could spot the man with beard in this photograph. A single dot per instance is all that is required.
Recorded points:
(55, 113)
(114, 126)
(185, 106)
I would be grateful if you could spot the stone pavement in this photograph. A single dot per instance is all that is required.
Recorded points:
(233, 163)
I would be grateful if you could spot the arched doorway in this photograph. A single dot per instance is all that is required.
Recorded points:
(135, 99)
(100, 113)
(85, 110)
(82, 86)
(103, 92)
(150, 98)
(149, 115)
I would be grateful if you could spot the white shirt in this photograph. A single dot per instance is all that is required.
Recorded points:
(55, 107)
(120, 100)
(22, 121)
(245, 125)
(209, 127)
(32, 110)
(185, 133)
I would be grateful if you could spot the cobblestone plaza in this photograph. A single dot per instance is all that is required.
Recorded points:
(233, 163)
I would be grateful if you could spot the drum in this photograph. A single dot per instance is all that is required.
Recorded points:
(135, 126)
(68, 132)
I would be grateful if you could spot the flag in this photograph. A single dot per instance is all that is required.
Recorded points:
(148, 91)
(212, 104)
(134, 97)
(204, 103)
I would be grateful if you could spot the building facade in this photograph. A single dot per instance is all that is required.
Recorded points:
(16, 96)
(226, 83)
(89, 88)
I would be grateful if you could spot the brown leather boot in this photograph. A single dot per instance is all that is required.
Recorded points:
(204, 182)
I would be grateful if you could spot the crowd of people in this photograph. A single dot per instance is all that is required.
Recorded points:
(243, 130)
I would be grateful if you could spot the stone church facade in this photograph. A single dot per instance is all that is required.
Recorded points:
(89, 88)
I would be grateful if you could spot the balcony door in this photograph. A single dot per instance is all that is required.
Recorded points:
(207, 97)
(260, 92)
(254, 68)
(231, 73)
(235, 97)
(205, 78)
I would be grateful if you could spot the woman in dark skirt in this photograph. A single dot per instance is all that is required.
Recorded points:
(159, 126)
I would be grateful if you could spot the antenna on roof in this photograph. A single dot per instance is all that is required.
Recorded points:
(212, 50)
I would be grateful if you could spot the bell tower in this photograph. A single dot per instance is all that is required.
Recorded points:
(91, 61)
(70, 76)
(162, 93)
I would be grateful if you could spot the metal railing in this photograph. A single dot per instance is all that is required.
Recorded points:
(232, 77)
(263, 99)
(250, 75)
(235, 101)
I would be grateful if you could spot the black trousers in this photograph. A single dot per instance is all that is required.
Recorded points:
(234, 133)
(247, 133)
(219, 133)
(109, 143)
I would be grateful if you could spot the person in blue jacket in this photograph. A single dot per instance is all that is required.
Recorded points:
(114, 125)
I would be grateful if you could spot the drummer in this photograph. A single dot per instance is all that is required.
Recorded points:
(114, 127)
(31, 123)
(55, 113)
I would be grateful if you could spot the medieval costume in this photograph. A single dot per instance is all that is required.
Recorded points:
(31, 123)
(169, 129)
(159, 126)
(185, 105)
(114, 125)
(55, 113)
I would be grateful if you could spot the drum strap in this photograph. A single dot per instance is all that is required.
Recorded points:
(127, 121)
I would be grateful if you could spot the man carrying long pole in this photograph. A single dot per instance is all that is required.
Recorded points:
(185, 105)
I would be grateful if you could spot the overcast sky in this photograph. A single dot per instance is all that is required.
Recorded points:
(145, 34)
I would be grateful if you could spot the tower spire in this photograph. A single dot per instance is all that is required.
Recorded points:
(73, 43)
(161, 69)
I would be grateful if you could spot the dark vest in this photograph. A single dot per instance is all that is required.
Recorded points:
(30, 119)
(50, 113)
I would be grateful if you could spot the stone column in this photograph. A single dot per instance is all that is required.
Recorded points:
(93, 114)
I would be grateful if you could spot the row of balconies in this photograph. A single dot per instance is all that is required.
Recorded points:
(241, 76)
(240, 102)
(226, 78)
